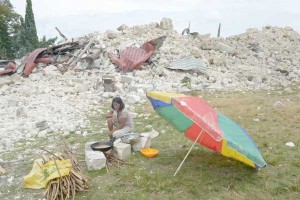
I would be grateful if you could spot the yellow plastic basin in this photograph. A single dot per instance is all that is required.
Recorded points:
(149, 152)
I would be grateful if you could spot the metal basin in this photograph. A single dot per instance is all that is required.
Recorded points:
(102, 146)
(131, 138)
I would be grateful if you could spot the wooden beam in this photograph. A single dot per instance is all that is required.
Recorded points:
(60, 33)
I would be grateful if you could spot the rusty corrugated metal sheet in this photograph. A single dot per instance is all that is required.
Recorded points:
(189, 63)
(132, 58)
(45, 60)
(30, 64)
(11, 66)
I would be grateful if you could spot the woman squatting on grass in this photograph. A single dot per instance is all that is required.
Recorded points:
(119, 120)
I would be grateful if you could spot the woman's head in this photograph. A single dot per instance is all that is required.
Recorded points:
(117, 104)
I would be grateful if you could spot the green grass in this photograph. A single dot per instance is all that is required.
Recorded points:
(205, 174)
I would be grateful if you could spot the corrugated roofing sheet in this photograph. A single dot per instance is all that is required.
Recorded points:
(189, 63)
(132, 57)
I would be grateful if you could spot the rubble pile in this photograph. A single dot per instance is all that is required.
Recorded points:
(55, 98)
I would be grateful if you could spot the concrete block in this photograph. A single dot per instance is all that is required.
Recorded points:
(94, 160)
(122, 150)
(145, 140)
(137, 146)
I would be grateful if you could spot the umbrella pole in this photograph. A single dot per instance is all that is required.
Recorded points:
(188, 152)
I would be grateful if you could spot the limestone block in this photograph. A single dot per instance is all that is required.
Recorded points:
(134, 88)
(223, 48)
(126, 79)
(51, 70)
(122, 151)
(117, 141)
(16, 78)
(278, 104)
(122, 27)
(133, 99)
(111, 34)
(137, 146)
(83, 87)
(138, 30)
(166, 24)
(119, 88)
(94, 159)
(153, 134)
(145, 140)
(140, 91)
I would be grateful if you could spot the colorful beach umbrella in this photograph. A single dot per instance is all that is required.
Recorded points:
(206, 126)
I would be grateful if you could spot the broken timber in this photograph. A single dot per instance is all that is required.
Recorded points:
(72, 62)
(60, 33)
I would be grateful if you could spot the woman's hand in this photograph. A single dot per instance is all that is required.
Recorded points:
(111, 133)
(108, 115)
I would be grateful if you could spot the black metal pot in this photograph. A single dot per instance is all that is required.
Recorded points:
(102, 146)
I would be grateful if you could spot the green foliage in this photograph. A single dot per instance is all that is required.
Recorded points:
(186, 81)
(7, 21)
(5, 42)
(30, 28)
(19, 40)
(44, 42)
(18, 37)
(6, 8)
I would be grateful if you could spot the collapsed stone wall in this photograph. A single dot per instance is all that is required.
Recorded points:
(256, 59)
(48, 102)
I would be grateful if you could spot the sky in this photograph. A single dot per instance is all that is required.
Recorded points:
(76, 18)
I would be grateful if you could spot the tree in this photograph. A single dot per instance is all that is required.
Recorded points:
(5, 42)
(7, 19)
(44, 42)
(20, 43)
(30, 28)
(18, 36)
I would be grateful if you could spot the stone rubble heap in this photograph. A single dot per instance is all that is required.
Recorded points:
(48, 102)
